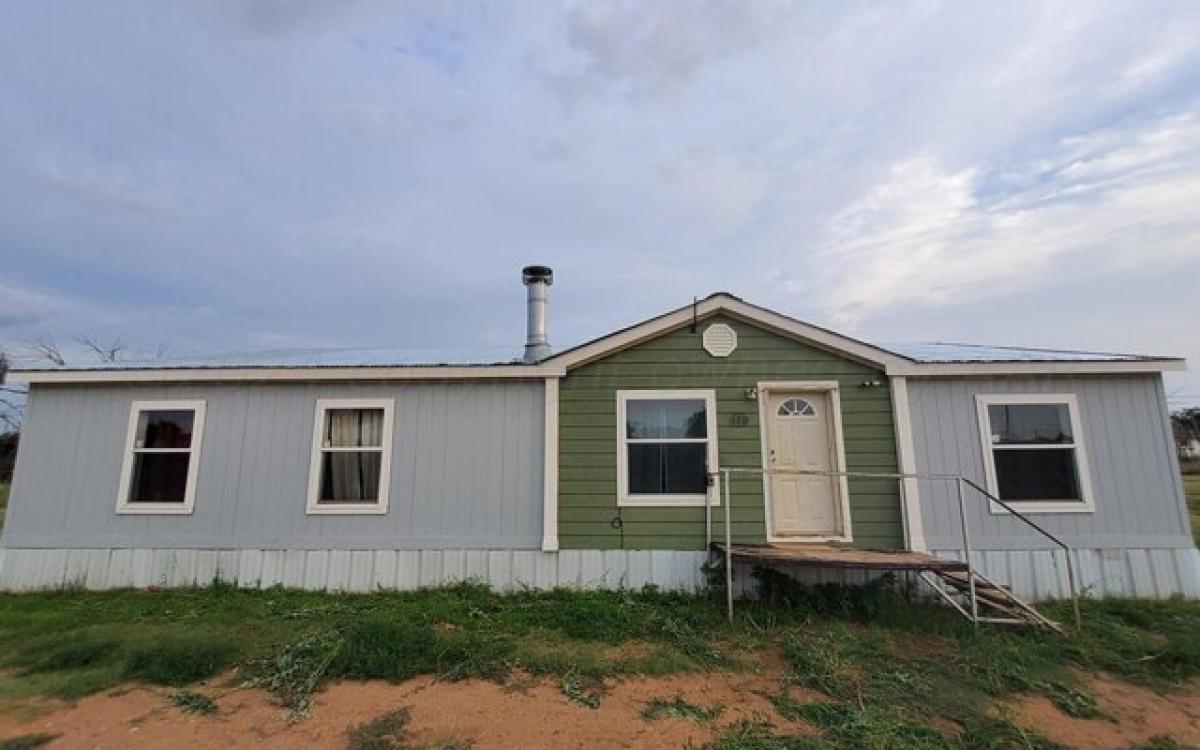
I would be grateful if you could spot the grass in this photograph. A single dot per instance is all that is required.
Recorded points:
(1191, 487)
(879, 660)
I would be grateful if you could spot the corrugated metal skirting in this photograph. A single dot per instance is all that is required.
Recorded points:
(348, 570)
(1031, 574)
(1042, 574)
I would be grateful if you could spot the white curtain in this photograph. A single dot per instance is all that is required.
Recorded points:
(352, 476)
(348, 428)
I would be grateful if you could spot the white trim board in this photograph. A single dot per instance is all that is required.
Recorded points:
(832, 389)
(906, 458)
(1087, 503)
(124, 506)
(550, 468)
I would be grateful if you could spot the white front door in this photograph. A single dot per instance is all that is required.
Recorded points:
(801, 436)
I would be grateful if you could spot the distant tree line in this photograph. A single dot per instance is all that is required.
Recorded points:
(1185, 423)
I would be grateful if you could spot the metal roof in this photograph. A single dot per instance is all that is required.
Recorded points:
(950, 352)
(277, 358)
(935, 352)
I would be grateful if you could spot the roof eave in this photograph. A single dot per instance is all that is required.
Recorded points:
(1056, 367)
(277, 374)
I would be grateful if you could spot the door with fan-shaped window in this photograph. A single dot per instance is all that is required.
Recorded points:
(801, 445)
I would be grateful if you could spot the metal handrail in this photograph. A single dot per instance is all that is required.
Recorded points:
(722, 475)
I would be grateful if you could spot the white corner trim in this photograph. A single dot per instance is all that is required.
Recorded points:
(832, 389)
(906, 456)
(124, 507)
(711, 495)
(315, 507)
(550, 469)
(1087, 504)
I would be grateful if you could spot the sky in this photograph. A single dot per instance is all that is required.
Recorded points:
(236, 176)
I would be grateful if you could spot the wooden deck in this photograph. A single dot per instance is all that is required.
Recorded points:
(825, 556)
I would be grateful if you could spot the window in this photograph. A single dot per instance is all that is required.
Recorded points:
(666, 442)
(797, 407)
(162, 457)
(352, 447)
(1033, 451)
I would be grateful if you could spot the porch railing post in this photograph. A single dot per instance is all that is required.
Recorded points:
(966, 539)
(728, 551)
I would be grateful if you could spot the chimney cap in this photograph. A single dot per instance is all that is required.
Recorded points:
(537, 275)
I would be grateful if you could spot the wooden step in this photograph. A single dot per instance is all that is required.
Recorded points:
(998, 597)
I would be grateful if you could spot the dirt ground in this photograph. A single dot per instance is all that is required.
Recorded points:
(524, 713)
(1132, 715)
(533, 714)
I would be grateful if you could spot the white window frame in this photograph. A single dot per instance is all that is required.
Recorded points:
(626, 499)
(124, 506)
(380, 507)
(1087, 501)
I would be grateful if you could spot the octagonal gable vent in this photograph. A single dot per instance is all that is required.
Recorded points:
(720, 340)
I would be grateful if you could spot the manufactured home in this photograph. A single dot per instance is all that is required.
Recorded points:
(612, 463)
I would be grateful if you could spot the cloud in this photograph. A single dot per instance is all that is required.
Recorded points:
(22, 307)
(105, 188)
(656, 49)
(932, 235)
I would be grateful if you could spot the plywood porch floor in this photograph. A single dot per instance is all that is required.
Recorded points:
(826, 556)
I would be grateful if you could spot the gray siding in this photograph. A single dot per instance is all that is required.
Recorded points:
(466, 469)
(1138, 494)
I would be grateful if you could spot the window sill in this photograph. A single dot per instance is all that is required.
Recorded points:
(665, 501)
(374, 509)
(154, 509)
(1031, 507)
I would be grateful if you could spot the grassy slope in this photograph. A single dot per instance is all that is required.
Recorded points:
(880, 679)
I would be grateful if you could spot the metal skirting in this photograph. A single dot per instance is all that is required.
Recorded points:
(348, 570)
(1034, 575)
(1039, 575)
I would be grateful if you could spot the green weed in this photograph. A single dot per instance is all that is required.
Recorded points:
(678, 708)
(388, 732)
(297, 669)
(1162, 742)
(27, 741)
(191, 702)
(578, 689)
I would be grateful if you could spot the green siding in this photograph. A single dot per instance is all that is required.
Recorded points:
(587, 491)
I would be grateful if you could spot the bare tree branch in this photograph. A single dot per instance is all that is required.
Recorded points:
(105, 351)
(47, 349)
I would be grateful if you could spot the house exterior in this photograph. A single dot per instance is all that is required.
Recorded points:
(598, 466)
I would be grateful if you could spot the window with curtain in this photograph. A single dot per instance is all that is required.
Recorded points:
(1034, 450)
(665, 446)
(351, 456)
